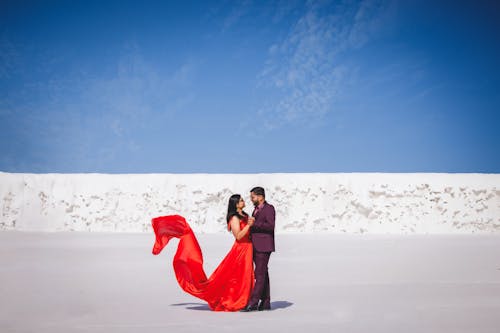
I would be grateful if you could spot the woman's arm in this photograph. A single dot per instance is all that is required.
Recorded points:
(235, 228)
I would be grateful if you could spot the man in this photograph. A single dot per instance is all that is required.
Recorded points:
(262, 236)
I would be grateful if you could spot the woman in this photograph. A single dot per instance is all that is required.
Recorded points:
(231, 284)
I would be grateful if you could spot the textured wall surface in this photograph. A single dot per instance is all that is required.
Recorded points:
(305, 202)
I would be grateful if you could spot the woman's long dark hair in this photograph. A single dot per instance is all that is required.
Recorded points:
(231, 208)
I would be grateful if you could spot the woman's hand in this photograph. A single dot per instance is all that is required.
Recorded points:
(251, 221)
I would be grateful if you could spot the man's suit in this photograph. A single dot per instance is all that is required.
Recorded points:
(262, 236)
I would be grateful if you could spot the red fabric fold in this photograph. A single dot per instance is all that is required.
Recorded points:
(229, 286)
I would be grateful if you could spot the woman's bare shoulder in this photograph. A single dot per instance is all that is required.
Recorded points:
(234, 219)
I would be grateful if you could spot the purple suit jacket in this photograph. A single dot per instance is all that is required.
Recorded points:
(262, 231)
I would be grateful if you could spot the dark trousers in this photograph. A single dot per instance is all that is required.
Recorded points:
(261, 290)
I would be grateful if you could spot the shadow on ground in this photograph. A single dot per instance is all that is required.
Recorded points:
(203, 306)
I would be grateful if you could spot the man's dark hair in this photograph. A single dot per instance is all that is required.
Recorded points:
(258, 191)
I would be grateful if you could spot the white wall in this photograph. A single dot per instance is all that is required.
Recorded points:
(314, 202)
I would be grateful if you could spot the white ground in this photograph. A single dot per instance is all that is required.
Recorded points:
(110, 282)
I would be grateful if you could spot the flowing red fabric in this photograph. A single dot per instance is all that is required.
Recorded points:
(229, 286)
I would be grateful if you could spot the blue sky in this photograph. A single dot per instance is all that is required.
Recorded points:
(249, 86)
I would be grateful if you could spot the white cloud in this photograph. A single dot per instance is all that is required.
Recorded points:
(109, 109)
(304, 74)
(136, 96)
(242, 12)
(242, 7)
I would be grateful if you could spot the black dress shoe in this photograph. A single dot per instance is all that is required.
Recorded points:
(264, 306)
(249, 308)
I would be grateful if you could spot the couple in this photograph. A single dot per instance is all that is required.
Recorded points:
(233, 285)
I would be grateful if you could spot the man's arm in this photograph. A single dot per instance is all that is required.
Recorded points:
(267, 223)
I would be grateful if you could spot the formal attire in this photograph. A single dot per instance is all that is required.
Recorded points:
(262, 237)
(229, 286)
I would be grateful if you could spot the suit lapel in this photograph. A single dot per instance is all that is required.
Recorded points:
(260, 211)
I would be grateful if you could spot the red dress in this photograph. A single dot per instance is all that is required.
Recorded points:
(229, 286)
